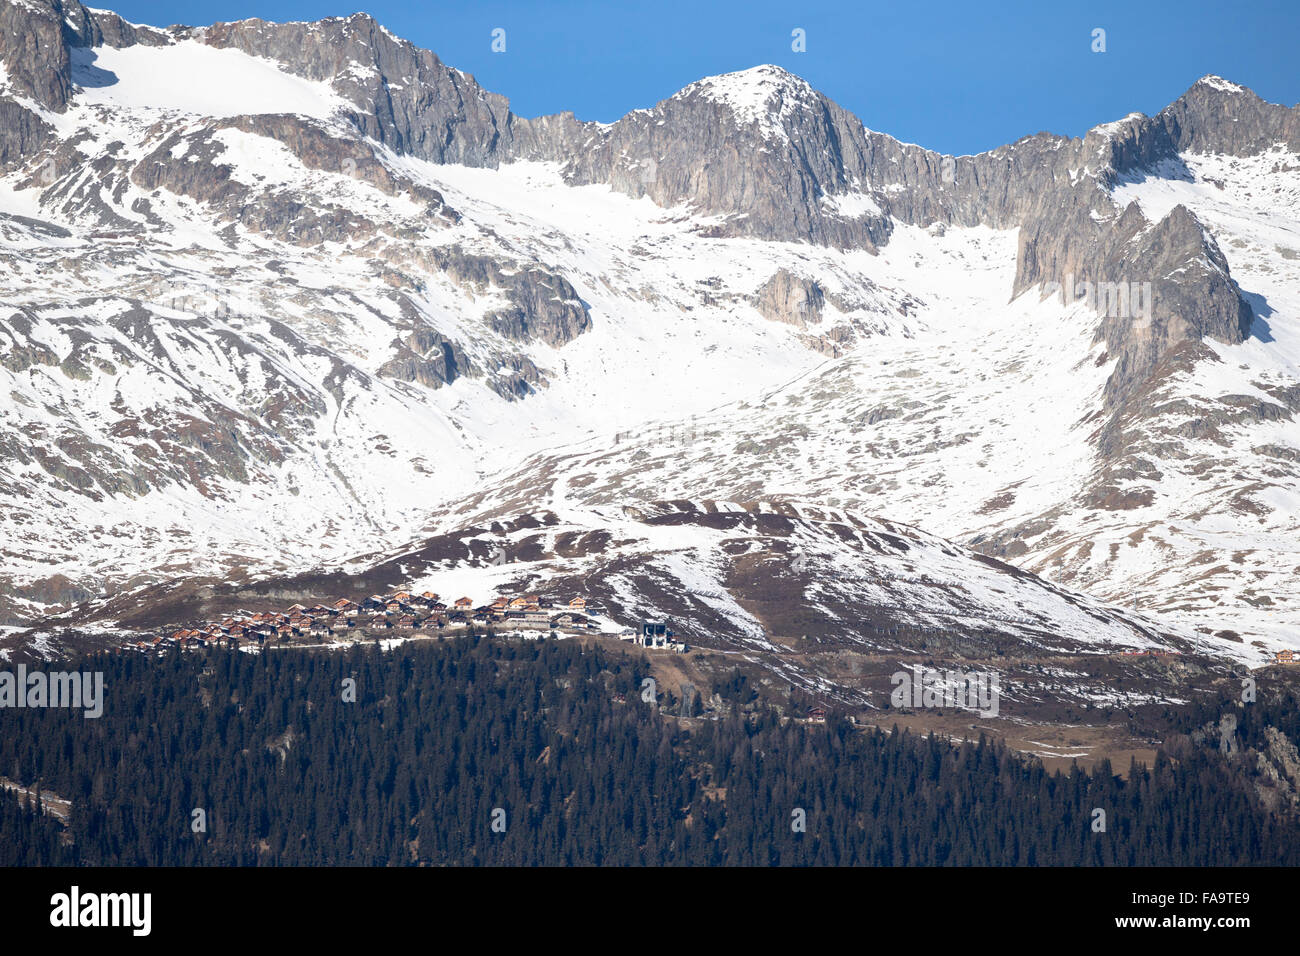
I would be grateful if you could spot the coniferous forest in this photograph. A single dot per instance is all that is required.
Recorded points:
(484, 752)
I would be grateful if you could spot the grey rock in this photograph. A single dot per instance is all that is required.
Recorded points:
(544, 306)
(427, 357)
(793, 299)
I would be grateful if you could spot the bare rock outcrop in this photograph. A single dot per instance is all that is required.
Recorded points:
(792, 299)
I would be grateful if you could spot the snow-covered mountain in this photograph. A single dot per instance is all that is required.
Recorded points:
(277, 296)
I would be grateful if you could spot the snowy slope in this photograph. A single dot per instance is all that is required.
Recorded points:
(239, 337)
(190, 78)
(1226, 516)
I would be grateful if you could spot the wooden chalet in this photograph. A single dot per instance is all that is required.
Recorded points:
(529, 617)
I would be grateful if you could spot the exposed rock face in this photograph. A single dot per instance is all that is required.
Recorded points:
(543, 306)
(34, 59)
(801, 302)
(789, 298)
(34, 51)
(761, 149)
(1193, 297)
(1216, 115)
(406, 97)
(426, 357)
(22, 132)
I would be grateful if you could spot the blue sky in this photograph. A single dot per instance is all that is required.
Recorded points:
(958, 77)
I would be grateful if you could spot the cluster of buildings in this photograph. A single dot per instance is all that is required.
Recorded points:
(378, 615)
(653, 634)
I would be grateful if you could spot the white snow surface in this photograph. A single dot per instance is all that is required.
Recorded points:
(193, 78)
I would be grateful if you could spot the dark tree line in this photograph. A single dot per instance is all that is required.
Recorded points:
(556, 735)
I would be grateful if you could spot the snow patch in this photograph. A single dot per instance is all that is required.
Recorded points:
(194, 78)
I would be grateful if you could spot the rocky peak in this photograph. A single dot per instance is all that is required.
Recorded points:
(1218, 84)
(1218, 116)
(1193, 296)
(760, 149)
(765, 95)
